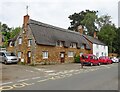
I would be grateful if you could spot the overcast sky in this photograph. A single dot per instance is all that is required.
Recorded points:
(54, 12)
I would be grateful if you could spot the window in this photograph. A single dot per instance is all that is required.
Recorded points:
(102, 54)
(60, 43)
(97, 54)
(11, 44)
(83, 46)
(97, 46)
(73, 45)
(20, 40)
(70, 54)
(81, 54)
(29, 42)
(104, 47)
(19, 54)
(45, 55)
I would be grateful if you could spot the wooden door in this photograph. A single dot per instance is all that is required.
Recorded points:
(62, 57)
(29, 57)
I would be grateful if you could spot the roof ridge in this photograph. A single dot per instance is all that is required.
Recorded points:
(54, 27)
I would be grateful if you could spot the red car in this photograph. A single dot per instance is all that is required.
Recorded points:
(89, 59)
(105, 60)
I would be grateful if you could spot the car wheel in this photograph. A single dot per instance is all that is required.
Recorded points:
(91, 64)
(5, 62)
(99, 64)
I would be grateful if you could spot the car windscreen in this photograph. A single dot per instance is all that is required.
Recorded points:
(84, 57)
(10, 54)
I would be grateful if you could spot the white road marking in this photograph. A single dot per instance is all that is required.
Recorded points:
(36, 77)
(49, 71)
(22, 80)
(29, 71)
(6, 83)
(42, 80)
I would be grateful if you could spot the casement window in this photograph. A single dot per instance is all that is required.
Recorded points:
(20, 40)
(29, 42)
(82, 46)
(97, 46)
(70, 54)
(102, 54)
(60, 43)
(97, 54)
(73, 45)
(45, 54)
(104, 47)
(19, 54)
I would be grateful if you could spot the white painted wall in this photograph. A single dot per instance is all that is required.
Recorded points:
(100, 50)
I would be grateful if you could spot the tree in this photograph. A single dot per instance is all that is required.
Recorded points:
(86, 19)
(15, 32)
(116, 42)
(107, 35)
(103, 20)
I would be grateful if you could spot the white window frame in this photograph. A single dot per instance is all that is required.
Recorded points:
(20, 40)
(45, 54)
(83, 46)
(73, 45)
(19, 54)
(70, 54)
(29, 42)
(60, 43)
(97, 46)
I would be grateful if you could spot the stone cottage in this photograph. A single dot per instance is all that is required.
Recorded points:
(39, 42)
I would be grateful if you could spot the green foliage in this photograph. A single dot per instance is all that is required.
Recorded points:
(77, 59)
(85, 18)
(15, 32)
(107, 35)
(116, 42)
(8, 33)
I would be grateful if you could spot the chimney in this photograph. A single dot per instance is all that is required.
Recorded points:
(80, 29)
(95, 34)
(25, 21)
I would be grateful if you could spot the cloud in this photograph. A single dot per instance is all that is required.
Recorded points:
(54, 12)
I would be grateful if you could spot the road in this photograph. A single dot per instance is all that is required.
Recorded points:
(104, 77)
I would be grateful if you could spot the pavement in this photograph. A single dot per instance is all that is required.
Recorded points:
(52, 77)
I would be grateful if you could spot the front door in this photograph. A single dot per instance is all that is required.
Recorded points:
(29, 57)
(62, 57)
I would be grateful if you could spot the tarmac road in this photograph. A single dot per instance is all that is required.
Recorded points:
(102, 78)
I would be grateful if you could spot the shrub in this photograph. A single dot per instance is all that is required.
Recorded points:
(77, 59)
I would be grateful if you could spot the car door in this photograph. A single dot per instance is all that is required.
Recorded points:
(3, 57)
(0, 56)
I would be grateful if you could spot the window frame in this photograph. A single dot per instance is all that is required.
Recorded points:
(45, 54)
(70, 53)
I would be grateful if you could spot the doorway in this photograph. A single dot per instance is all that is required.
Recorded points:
(62, 57)
(29, 57)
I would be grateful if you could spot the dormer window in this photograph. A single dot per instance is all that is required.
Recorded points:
(73, 45)
(83, 46)
(29, 42)
(20, 40)
(60, 43)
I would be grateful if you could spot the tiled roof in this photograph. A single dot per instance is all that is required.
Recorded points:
(93, 40)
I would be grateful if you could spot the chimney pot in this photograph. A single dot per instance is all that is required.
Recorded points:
(80, 29)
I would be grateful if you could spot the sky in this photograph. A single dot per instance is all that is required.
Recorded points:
(53, 12)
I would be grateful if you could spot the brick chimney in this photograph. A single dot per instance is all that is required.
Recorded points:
(25, 21)
(80, 29)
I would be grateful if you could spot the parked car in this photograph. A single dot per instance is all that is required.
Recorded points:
(89, 59)
(8, 57)
(105, 60)
(115, 60)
